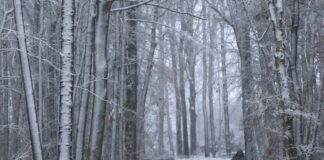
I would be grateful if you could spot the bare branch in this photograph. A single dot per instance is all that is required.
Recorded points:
(130, 7)
(4, 19)
(220, 14)
(175, 11)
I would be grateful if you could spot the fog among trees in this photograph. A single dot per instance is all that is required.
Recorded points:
(161, 79)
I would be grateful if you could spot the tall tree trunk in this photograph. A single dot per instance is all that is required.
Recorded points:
(40, 71)
(210, 84)
(167, 107)
(100, 58)
(183, 97)
(176, 89)
(182, 68)
(242, 34)
(31, 109)
(191, 60)
(79, 148)
(131, 87)
(204, 103)
(225, 93)
(65, 148)
(161, 104)
(276, 12)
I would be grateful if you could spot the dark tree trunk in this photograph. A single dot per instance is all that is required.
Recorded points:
(131, 87)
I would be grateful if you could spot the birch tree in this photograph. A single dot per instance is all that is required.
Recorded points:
(65, 141)
(276, 12)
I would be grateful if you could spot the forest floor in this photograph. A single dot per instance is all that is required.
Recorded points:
(204, 158)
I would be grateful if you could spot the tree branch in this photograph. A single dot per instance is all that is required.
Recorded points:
(130, 7)
(4, 19)
(220, 14)
(174, 11)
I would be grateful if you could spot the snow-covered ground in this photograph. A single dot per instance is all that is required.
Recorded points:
(203, 158)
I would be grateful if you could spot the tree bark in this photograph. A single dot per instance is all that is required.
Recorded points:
(176, 89)
(276, 12)
(183, 96)
(32, 118)
(100, 58)
(65, 147)
(204, 93)
(131, 87)
(225, 93)
(210, 84)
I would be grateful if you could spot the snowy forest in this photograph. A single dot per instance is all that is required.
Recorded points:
(161, 79)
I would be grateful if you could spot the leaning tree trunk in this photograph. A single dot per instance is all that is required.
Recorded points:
(147, 77)
(99, 108)
(31, 109)
(276, 12)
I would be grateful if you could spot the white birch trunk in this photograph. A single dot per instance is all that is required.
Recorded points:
(32, 118)
(65, 135)
(276, 12)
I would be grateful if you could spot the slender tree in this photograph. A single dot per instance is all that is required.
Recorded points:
(210, 84)
(225, 93)
(204, 93)
(28, 87)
